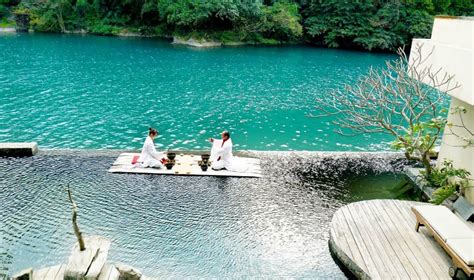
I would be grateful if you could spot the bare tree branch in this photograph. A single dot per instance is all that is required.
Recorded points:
(77, 232)
(403, 99)
(469, 139)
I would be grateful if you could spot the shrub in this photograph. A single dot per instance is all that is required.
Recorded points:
(282, 22)
(447, 180)
(104, 29)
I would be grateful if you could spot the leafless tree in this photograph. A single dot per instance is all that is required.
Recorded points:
(77, 232)
(403, 99)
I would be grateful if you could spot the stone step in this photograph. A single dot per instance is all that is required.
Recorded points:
(19, 149)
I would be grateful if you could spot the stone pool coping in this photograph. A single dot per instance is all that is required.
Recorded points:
(256, 153)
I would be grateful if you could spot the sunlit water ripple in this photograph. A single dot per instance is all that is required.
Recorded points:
(101, 92)
(179, 227)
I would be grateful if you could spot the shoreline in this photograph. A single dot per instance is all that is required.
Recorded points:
(9, 29)
(203, 43)
(192, 42)
(169, 38)
(176, 40)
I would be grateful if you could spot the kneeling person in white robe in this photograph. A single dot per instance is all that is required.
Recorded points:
(149, 156)
(222, 157)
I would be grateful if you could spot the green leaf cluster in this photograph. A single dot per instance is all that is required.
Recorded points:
(421, 136)
(447, 180)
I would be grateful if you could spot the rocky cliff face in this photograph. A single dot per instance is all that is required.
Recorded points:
(22, 22)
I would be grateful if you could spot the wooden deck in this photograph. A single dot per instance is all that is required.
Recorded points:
(376, 239)
(52, 273)
(57, 273)
(87, 264)
(186, 165)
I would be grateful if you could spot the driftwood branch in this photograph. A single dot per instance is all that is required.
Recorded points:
(77, 232)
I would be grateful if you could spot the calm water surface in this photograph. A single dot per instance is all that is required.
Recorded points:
(175, 227)
(104, 92)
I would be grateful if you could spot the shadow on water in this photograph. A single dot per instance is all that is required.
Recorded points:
(182, 227)
(378, 186)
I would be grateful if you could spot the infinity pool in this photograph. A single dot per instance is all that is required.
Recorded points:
(89, 92)
(184, 227)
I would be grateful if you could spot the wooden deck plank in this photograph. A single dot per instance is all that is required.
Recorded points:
(351, 250)
(340, 238)
(369, 262)
(376, 249)
(185, 165)
(126, 158)
(418, 254)
(379, 237)
(88, 263)
(196, 156)
(405, 240)
(419, 244)
(436, 253)
(40, 274)
(403, 236)
(153, 171)
(60, 274)
(387, 228)
(53, 271)
(127, 162)
(392, 223)
(384, 249)
(109, 272)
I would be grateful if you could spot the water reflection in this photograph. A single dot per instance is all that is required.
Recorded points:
(179, 227)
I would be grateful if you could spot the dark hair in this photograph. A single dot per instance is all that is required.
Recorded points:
(152, 131)
(226, 133)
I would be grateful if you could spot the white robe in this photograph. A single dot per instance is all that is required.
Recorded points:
(227, 159)
(149, 156)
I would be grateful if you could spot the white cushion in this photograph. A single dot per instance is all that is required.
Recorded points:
(464, 248)
(445, 222)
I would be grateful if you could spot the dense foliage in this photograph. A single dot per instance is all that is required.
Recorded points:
(374, 24)
(5, 11)
(369, 24)
(447, 180)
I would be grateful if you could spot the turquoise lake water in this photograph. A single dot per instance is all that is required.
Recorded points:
(92, 92)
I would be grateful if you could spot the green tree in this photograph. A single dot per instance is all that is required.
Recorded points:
(372, 24)
(383, 25)
(282, 22)
(212, 14)
(364, 24)
(49, 15)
